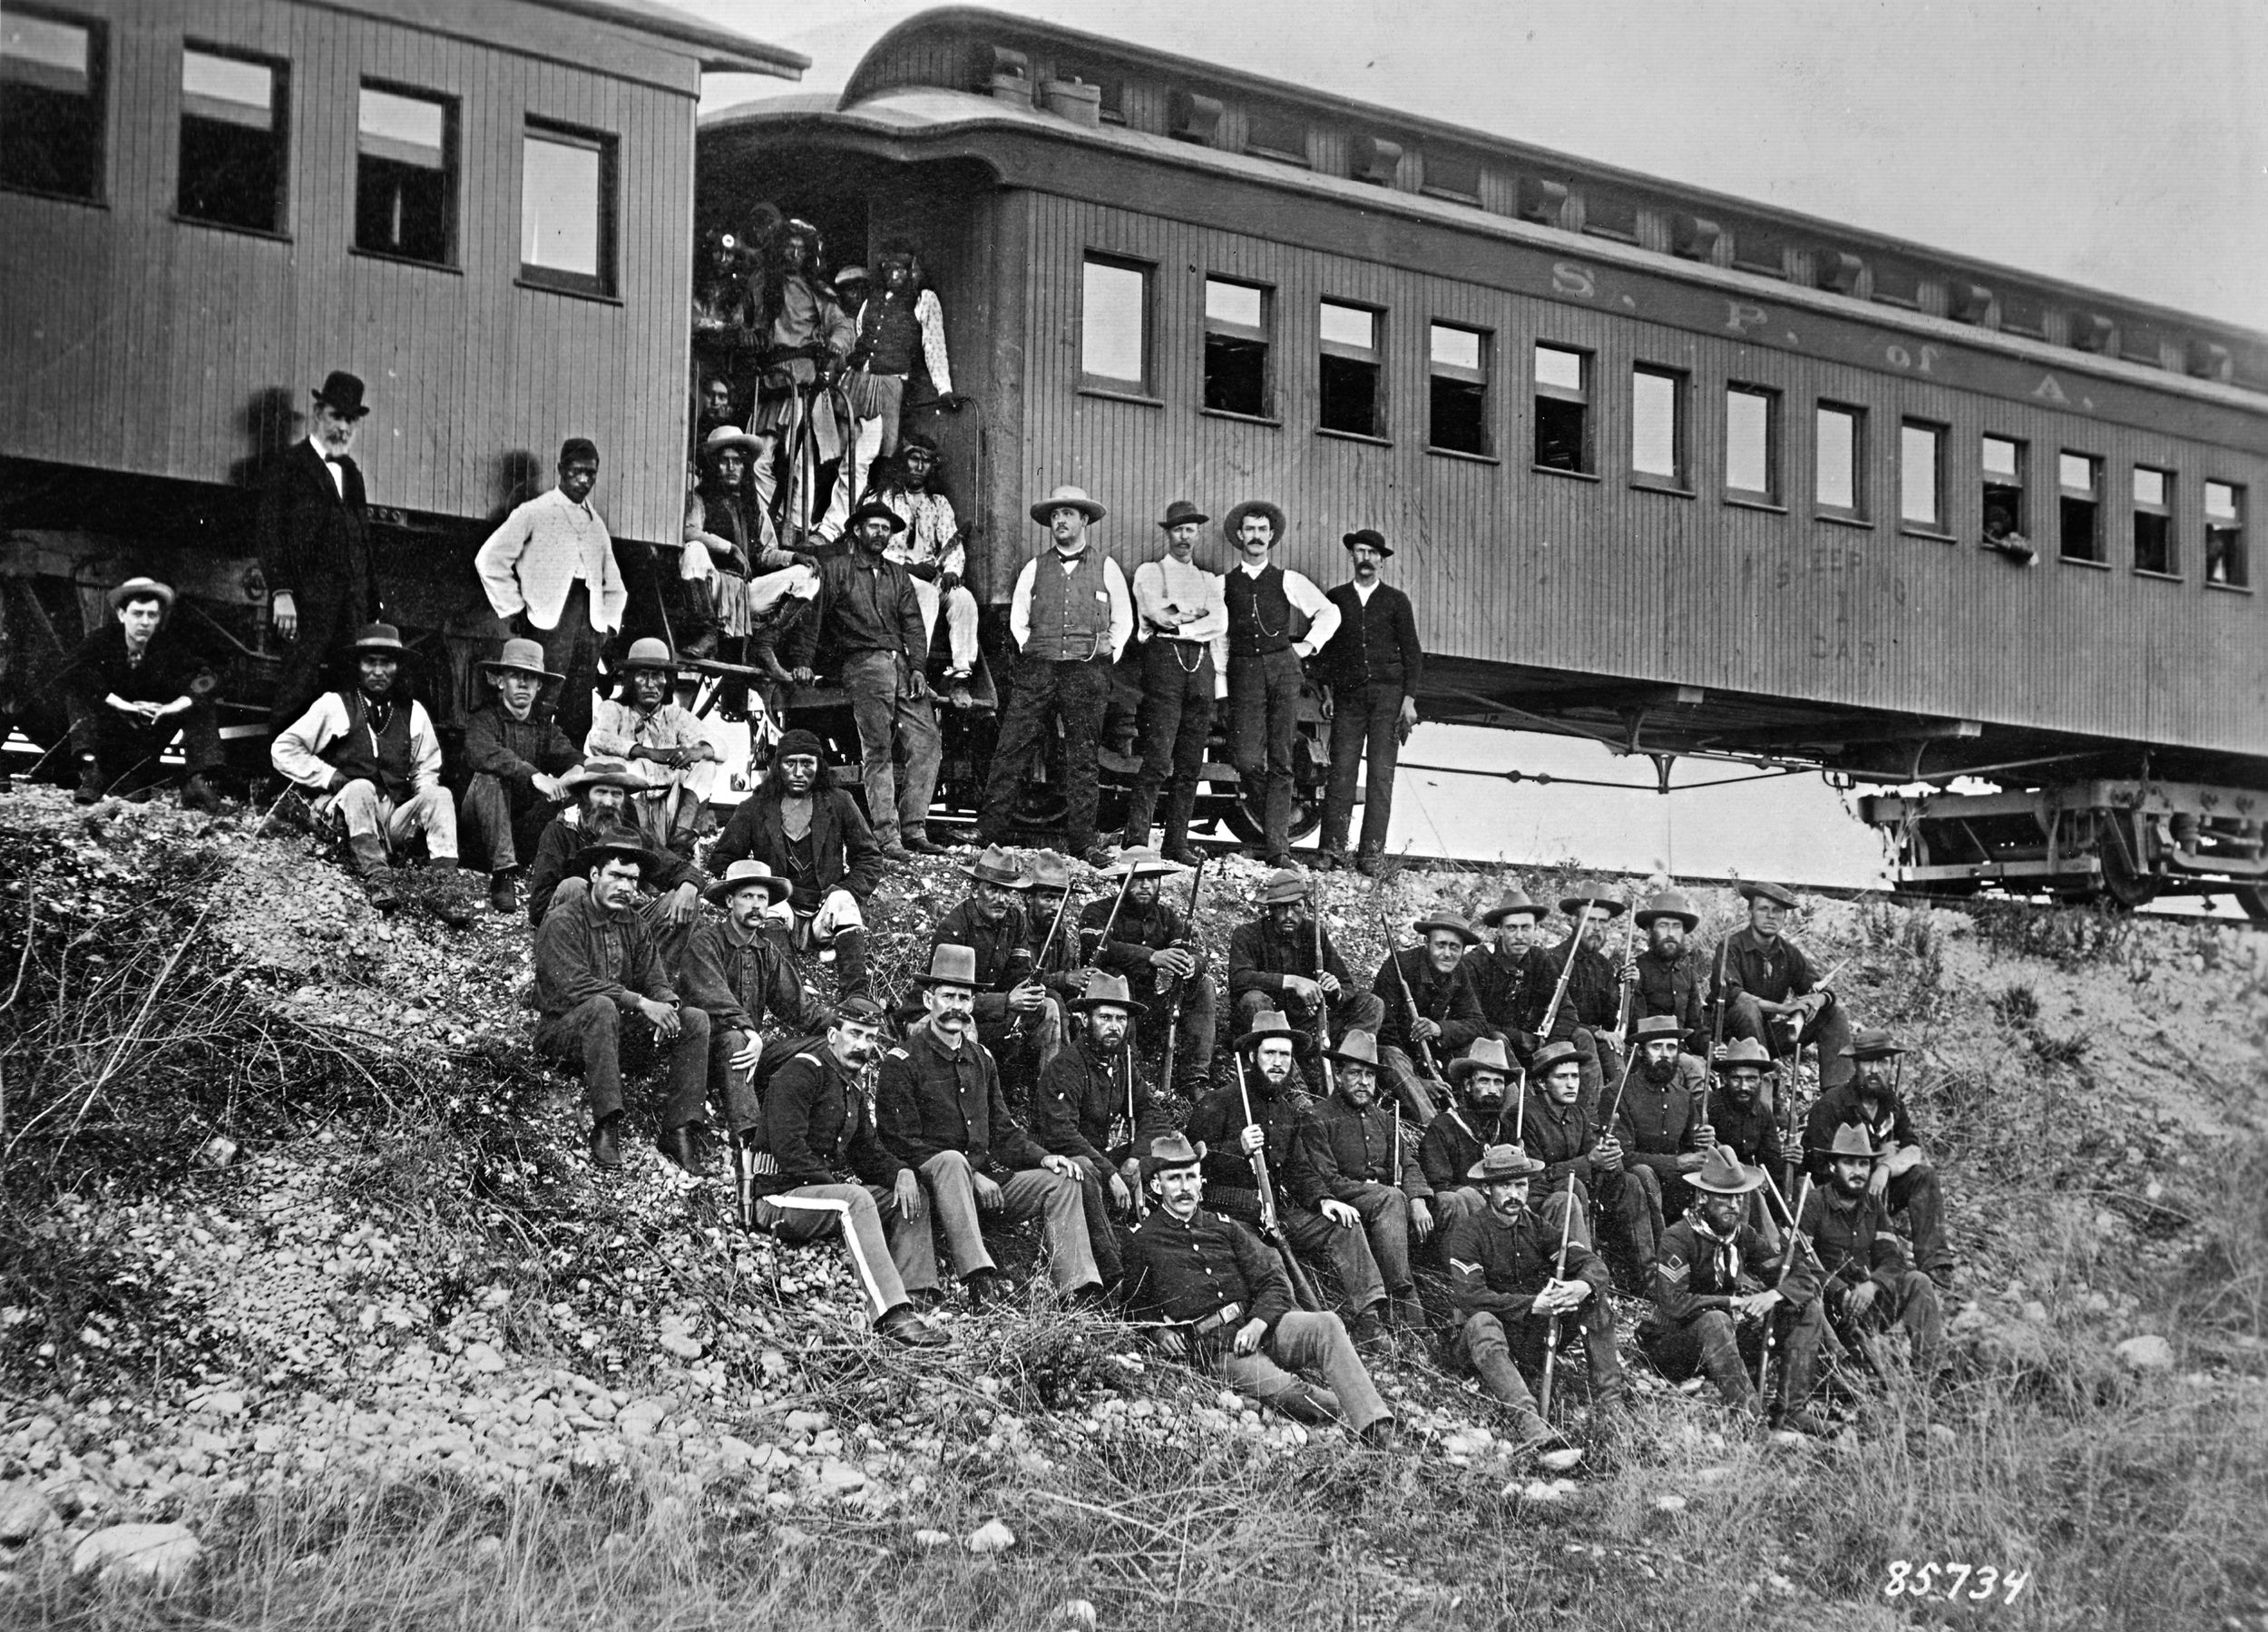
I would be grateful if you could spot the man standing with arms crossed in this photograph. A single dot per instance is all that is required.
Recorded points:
(1266, 651)
(1182, 622)
(1373, 666)
(549, 573)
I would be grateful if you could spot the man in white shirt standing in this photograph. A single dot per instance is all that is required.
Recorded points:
(1276, 620)
(1071, 616)
(549, 573)
(1182, 622)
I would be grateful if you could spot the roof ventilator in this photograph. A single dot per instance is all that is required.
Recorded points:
(1543, 202)
(1972, 303)
(2091, 331)
(1376, 159)
(1840, 271)
(1696, 238)
(2210, 362)
(1009, 76)
(1194, 118)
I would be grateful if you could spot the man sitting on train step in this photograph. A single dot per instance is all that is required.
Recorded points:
(132, 688)
(1772, 993)
(1071, 614)
(517, 754)
(1182, 622)
(642, 722)
(1373, 666)
(371, 763)
(1276, 620)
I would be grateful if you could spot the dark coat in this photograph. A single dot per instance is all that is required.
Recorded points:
(1455, 1140)
(927, 1100)
(817, 1128)
(513, 750)
(741, 985)
(1449, 1001)
(1185, 1272)
(1259, 958)
(843, 848)
(168, 671)
(314, 545)
(1374, 645)
(1498, 1268)
(1218, 1122)
(1080, 1098)
(1350, 1149)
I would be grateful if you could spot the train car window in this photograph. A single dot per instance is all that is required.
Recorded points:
(1352, 398)
(1563, 410)
(1922, 475)
(1114, 325)
(1238, 344)
(2080, 516)
(2154, 543)
(2225, 536)
(1459, 419)
(567, 190)
(51, 106)
(405, 176)
(1752, 443)
(1658, 424)
(1276, 136)
(2003, 511)
(1840, 467)
(233, 140)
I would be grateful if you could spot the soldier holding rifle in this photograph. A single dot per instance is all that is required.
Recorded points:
(1154, 947)
(1481, 1077)
(1433, 1013)
(1772, 994)
(1581, 1165)
(1356, 1155)
(1588, 1004)
(1665, 978)
(1901, 1179)
(1871, 1286)
(1092, 1107)
(1016, 1016)
(1285, 962)
(1657, 1119)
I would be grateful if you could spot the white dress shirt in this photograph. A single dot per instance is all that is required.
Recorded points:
(1321, 612)
(337, 473)
(1113, 583)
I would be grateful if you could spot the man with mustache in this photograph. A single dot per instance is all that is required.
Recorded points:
(644, 724)
(743, 978)
(1743, 1125)
(1901, 1179)
(1276, 620)
(1375, 668)
(1273, 968)
(315, 548)
(1871, 1286)
(1092, 1105)
(1669, 978)
(1772, 994)
(1504, 971)
(1660, 1130)
(1182, 622)
(1481, 1077)
(1430, 979)
(1355, 1155)
(1016, 1017)
(1152, 946)
(517, 755)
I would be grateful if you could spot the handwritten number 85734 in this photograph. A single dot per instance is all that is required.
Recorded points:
(1975, 1582)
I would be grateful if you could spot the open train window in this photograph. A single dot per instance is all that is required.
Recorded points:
(1658, 427)
(1563, 410)
(1114, 326)
(1459, 419)
(1839, 462)
(1922, 476)
(1353, 400)
(2225, 536)
(2154, 545)
(233, 140)
(1238, 327)
(1752, 443)
(567, 191)
(2079, 508)
(51, 106)
(2002, 510)
(405, 176)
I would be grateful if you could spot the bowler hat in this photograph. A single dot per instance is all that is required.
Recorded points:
(1371, 536)
(741, 874)
(1452, 923)
(1067, 498)
(1722, 1173)
(649, 653)
(1500, 1163)
(1234, 520)
(1656, 1028)
(1574, 904)
(1742, 1050)
(1485, 1054)
(604, 773)
(1168, 1150)
(519, 657)
(142, 589)
(950, 965)
(1875, 1045)
(1358, 1047)
(872, 510)
(1769, 892)
(341, 392)
(600, 851)
(1266, 1024)
(729, 436)
(1852, 1139)
(1180, 512)
(1510, 905)
(378, 637)
(991, 865)
(1669, 904)
(1106, 988)
(1552, 1055)
(1285, 884)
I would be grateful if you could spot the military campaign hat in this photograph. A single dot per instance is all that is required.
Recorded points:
(1452, 923)
(1106, 988)
(1656, 1028)
(1874, 1044)
(1358, 1047)
(1573, 906)
(1048, 871)
(1742, 1050)
(1768, 892)
(1142, 862)
(603, 773)
(1485, 1054)
(741, 875)
(1500, 1163)
(519, 657)
(1266, 1025)
(1724, 1174)
(991, 865)
(1168, 1150)
(874, 510)
(1510, 905)
(1850, 1139)
(1669, 904)
(950, 965)
(1285, 884)
(1553, 1055)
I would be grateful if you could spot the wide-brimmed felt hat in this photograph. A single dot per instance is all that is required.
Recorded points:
(1168, 1150)
(992, 866)
(1656, 1028)
(1874, 1044)
(1852, 1139)
(1265, 1025)
(1485, 1054)
(1452, 923)
(649, 653)
(1285, 884)
(1358, 1047)
(873, 509)
(1722, 1173)
(1768, 892)
(1742, 1050)
(1509, 903)
(604, 773)
(1551, 1056)
(1067, 497)
(741, 874)
(142, 589)
(950, 964)
(1141, 863)
(1107, 988)
(341, 392)
(1573, 906)
(1234, 520)
(519, 657)
(1368, 535)
(1048, 871)
(1500, 1163)
(1181, 513)
(378, 637)
(600, 851)
(852, 275)
(729, 436)
(1669, 904)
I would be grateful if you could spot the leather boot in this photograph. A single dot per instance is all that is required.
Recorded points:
(850, 962)
(902, 1326)
(688, 1145)
(91, 781)
(197, 794)
(379, 886)
(606, 1143)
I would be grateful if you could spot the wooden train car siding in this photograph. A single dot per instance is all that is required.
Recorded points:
(1511, 564)
(165, 348)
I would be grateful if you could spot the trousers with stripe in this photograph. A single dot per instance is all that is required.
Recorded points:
(885, 1269)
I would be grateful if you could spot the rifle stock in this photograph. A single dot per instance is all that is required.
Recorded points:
(1551, 1335)
(1421, 1050)
(1271, 1219)
(1559, 992)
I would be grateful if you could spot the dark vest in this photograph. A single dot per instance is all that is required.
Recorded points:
(1070, 611)
(1260, 614)
(893, 336)
(1364, 652)
(383, 760)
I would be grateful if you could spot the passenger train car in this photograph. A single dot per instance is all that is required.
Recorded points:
(1663, 468)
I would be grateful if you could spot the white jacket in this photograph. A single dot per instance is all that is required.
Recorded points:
(297, 753)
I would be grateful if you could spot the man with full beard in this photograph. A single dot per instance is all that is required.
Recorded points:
(1355, 1155)
(809, 832)
(1660, 1129)
(1871, 1286)
(1669, 978)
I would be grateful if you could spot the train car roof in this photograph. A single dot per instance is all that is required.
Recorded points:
(719, 50)
(922, 76)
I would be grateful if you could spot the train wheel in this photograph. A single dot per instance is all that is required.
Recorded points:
(2254, 899)
(2125, 882)
(1247, 812)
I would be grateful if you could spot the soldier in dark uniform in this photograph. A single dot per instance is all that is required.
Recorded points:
(1593, 998)
(1092, 1107)
(1743, 1127)
(315, 548)
(1503, 972)
(1658, 1124)
(1272, 968)
(1456, 1139)
(1871, 1286)
(1581, 1164)
(1668, 976)
(1771, 990)
(1430, 978)
(1017, 1018)
(1902, 1178)
(1374, 667)
(1356, 1154)
(1153, 946)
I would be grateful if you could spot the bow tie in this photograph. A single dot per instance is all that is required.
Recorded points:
(339, 459)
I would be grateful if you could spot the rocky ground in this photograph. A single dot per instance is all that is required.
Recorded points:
(289, 1211)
